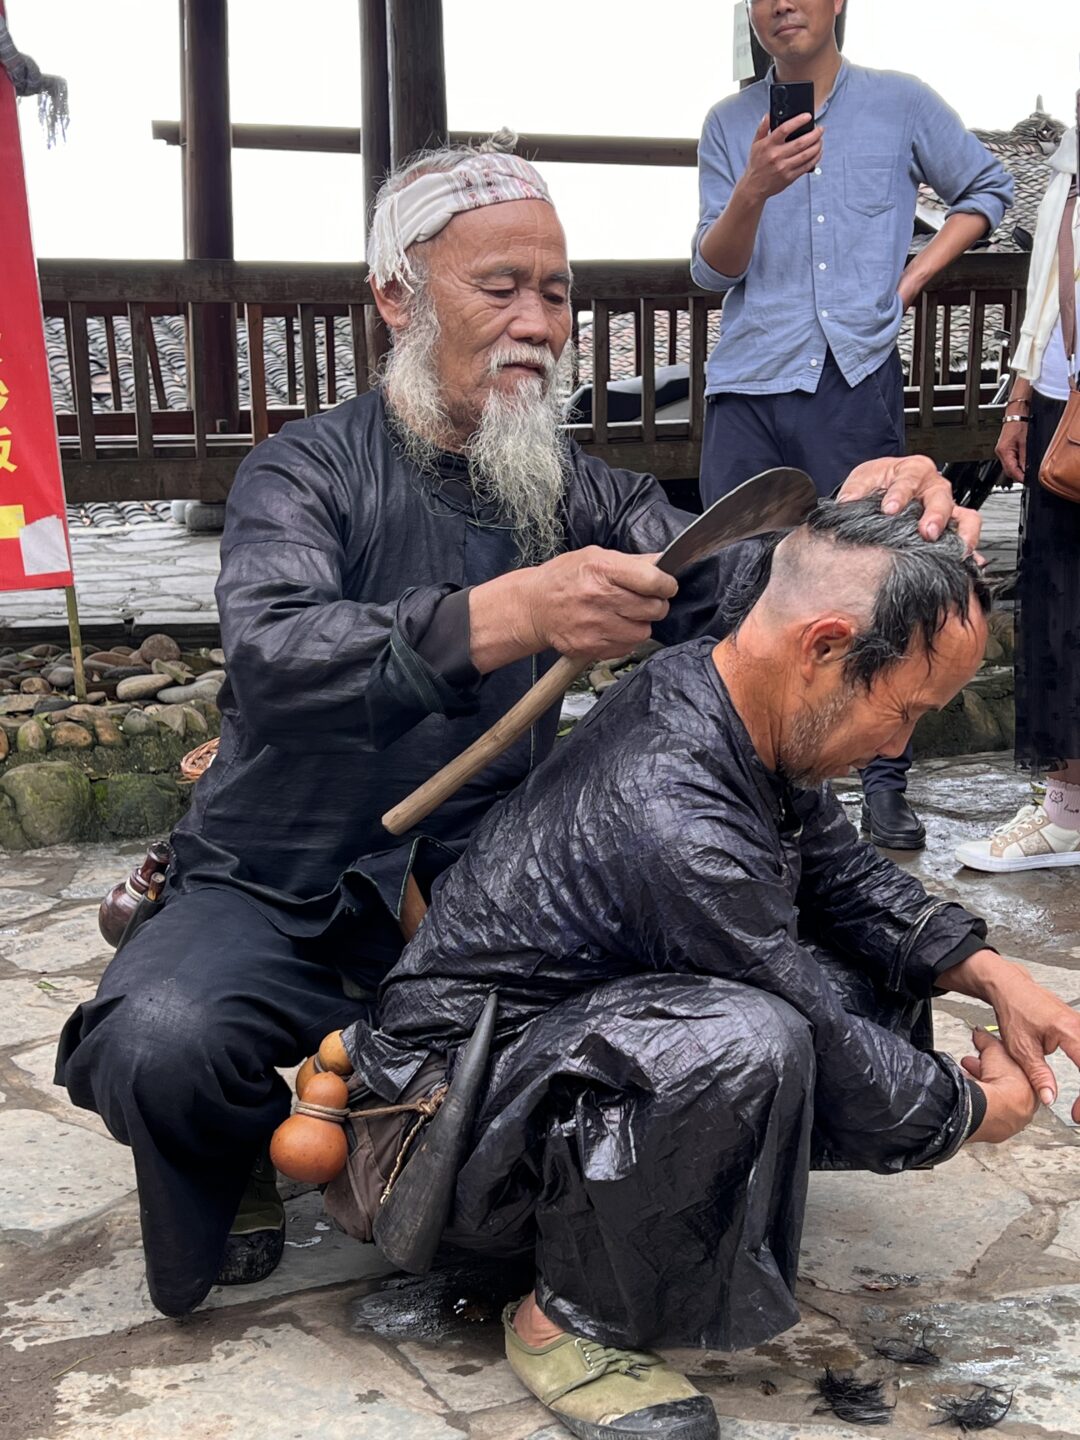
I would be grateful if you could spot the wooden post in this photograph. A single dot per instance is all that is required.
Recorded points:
(208, 163)
(75, 634)
(374, 101)
(181, 6)
(375, 149)
(417, 76)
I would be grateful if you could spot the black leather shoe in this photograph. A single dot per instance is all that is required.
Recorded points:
(890, 821)
(256, 1240)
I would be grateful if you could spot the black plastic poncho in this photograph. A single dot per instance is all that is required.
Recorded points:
(705, 978)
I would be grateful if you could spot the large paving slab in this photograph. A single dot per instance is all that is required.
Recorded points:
(55, 1175)
(112, 1297)
(32, 1007)
(846, 1242)
(274, 1382)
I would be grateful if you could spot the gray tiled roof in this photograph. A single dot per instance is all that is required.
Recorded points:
(1025, 152)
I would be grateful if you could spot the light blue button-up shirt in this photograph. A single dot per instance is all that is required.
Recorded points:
(830, 248)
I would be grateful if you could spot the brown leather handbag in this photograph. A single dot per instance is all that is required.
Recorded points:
(1060, 468)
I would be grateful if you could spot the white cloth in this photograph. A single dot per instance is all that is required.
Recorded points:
(1053, 377)
(1042, 286)
(427, 204)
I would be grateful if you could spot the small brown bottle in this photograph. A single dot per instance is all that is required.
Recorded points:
(146, 881)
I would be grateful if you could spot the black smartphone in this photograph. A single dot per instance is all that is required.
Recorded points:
(787, 101)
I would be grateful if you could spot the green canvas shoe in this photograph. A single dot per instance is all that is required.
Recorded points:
(256, 1239)
(600, 1393)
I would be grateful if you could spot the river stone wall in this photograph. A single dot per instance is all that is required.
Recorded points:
(107, 768)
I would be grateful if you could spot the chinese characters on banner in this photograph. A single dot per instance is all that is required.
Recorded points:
(34, 551)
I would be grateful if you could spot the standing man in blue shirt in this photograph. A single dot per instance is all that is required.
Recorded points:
(809, 237)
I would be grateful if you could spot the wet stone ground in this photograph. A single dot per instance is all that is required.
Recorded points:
(979, 1260)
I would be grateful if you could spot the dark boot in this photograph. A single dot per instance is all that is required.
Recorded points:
(890, 821)
(257, 1236)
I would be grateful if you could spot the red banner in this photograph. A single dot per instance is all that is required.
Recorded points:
(34, 550)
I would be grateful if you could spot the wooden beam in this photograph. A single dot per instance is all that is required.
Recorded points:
(176, 283)
(160, 479)
(209, 190)
(533, 145)
(414, 34)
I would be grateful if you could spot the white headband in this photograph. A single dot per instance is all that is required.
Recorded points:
(427, 204)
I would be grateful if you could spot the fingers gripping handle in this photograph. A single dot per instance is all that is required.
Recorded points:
(429, 796)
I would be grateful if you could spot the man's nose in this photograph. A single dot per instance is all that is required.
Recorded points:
(530, 323)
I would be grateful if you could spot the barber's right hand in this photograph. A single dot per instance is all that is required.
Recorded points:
(777, 161)
(1011, 449)
(1010, 1101)
(594, 603)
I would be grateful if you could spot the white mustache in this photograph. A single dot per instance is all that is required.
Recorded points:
(533, 355)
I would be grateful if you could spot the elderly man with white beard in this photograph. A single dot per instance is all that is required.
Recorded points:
(396, 573)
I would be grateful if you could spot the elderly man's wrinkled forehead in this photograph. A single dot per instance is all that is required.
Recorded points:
(521, 239)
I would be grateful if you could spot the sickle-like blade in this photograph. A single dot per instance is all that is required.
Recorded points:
(774, 500)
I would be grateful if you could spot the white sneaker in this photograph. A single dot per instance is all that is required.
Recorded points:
(1028, 842)
(1026, 811)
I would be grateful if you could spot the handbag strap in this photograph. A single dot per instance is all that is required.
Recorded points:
(1067, 268)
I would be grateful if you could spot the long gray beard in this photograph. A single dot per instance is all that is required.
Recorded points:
(517, 455)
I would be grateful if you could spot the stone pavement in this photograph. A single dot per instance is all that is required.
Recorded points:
(140, 577)
(982, 1257)
(129, 579)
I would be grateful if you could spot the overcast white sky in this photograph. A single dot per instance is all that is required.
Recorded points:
(632, 67)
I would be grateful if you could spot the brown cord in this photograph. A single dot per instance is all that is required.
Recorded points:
(425, 1107)
(321, 1112)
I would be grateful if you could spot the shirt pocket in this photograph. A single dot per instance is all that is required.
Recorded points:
(869, 186)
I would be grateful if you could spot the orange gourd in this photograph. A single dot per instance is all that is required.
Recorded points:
(333, 1055)
(307, 1071)
(311, 1147)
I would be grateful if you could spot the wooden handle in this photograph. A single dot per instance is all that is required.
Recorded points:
(489, 746)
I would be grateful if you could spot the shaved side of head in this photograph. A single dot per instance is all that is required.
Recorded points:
(897, 588)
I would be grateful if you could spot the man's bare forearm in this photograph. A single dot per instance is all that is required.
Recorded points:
(728, 244)
(984, 976)
(958, 234)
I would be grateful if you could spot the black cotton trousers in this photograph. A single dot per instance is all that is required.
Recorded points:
(1047, 610)
(178, 1054)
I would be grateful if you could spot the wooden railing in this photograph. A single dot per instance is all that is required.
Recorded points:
(125, 436)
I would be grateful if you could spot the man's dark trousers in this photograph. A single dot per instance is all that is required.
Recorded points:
(178, 1053)
(826, 434)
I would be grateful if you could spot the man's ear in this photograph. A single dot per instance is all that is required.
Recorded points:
(825, 641)
(392, 303)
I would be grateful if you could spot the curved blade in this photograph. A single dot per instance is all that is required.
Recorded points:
(774, 500)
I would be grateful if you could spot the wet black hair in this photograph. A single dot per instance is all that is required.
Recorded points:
(926, 582)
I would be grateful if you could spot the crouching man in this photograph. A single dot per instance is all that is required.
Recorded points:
(707, 983)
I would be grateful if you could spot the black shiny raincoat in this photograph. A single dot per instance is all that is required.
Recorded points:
(706, 983)
(344, 617)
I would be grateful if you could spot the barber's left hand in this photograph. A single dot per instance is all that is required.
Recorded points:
(1034, 1024)
(914, 477)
